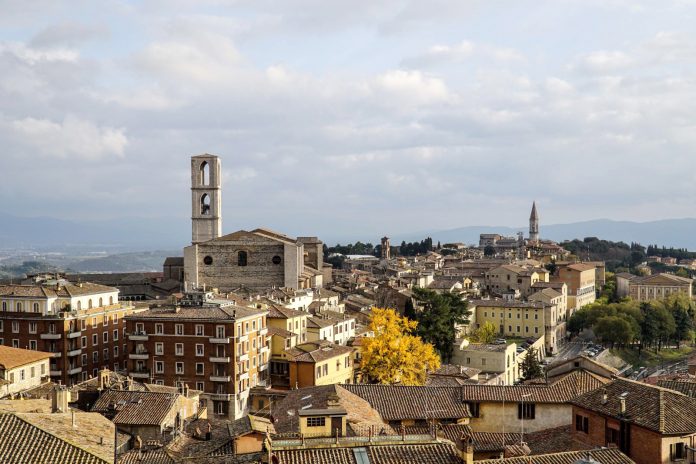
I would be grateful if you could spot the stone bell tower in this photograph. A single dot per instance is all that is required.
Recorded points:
(534, 225)
(386, 248)
(206, 180)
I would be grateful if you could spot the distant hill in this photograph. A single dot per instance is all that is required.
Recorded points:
(143, 261)
(679, 233)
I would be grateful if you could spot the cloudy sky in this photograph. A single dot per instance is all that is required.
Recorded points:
(351, 115)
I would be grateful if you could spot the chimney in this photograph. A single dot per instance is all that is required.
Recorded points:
(604, 396)
(74, 425)
(468, 451)
(622, 406)
(61, 398)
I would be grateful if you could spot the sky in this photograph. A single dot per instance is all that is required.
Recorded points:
(360, 116)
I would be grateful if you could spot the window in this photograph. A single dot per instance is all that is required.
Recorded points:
(106, 354)
(582, 423)
(316, 421)
(15, 326)
(179, 349)
(179, 368)
(199, 330)
(19, 307)
(15, 343)
(32, 346)
(326, 369)
(677, 451)
(242, 258)
(483, 361)
(2, 326)
(205, 205)
(105, 337)
(159, 329)
(318, 371)
(200, 350)
(159, 367)
(101, 302)
(116, 335)
(21, 374)
(4, 306)
(199, 369)
(36, 309)
(116, 351)
(95, 339)
(114, 318)
(179, 329)
(32, 327)
(526, 410)
(208, 260)
(84, 359)
(200, 386)
(83, 324)
(95, 356)
(474, 409)
(159, 348)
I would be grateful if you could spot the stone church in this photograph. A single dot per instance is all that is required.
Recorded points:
(254, 260)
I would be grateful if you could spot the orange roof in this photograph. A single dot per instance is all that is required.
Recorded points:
(15, 357)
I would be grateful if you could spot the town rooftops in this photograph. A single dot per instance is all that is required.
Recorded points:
(16, 357)
(62, 289)
(507, 304)
(279, 312)
(580, 267)
(659, 409)
(397, 402)
(209, 312)
(135, 407)
(598, 456)
(316, 351)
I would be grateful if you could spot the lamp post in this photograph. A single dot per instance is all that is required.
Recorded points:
(522, 434)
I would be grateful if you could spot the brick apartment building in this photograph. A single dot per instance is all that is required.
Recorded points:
(81, 324)
(210, 345)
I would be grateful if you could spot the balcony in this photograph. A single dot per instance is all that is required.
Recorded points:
(56, 373)
(263, 331)
(138, 337)
(221, 397)
(142, 355)
(75, 334)
(242, 357)
(140, 374)
(225, 340)
(220, 359)
(244, 375)
(50, 336)
(76, 352)
(264, 349)
(220, 378)
(263, 367)
(75, 370)
(243, 338)
(56, 355)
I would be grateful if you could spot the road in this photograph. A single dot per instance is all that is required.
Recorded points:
(568, 351)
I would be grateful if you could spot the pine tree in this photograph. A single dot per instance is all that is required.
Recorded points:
(531, 368)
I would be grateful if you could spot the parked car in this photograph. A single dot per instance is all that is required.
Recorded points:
(499, 341)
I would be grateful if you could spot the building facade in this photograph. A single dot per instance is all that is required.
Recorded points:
(80, 324)
(210, 345)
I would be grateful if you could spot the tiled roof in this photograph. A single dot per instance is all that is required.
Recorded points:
(361, 416)
(407, 453)
(568, 387)
(207, 312)
(655, 408)
(317, 351)
(279, 312)
(452, 432)
(65, 290)
(412, 402)
(280, 332)
(15, 357)
(685, 386)
(136, 407)
(22, 442)
(318, 322)
(155, 456)
(602, 456)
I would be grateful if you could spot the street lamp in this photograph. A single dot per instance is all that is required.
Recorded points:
(522, 434)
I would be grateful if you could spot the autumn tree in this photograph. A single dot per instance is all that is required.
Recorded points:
(394, 354)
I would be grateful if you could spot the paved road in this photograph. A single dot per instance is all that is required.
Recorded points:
(568, 351)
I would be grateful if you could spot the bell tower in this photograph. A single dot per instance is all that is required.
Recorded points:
(206, 178)
(534, 225)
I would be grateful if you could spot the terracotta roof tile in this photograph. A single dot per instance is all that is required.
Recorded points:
(15, 357)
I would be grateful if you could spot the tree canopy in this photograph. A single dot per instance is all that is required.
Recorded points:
(394, 354)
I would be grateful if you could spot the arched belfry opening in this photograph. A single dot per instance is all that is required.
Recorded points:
(205, 205)
(205, 173)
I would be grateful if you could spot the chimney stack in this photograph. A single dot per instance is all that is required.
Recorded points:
(604, 396)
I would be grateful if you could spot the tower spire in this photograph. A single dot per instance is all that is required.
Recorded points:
(534, 224)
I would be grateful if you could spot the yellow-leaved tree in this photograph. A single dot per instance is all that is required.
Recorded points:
(394, 354)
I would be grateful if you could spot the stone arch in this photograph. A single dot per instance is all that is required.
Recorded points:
(205, 205)
(204, 171)
(242, 258)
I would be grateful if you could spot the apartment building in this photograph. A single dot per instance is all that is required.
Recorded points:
(652, 287)
(581, 280)
(313, 363)
(511, 277)
(80, 324)
(211, 345)
(21, 369)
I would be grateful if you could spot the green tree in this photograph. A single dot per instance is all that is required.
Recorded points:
(614, 330)
(439, 318)
(485, 334)
(489, 251)
(531, 368)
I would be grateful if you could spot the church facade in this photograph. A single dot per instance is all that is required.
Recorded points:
(244, 260)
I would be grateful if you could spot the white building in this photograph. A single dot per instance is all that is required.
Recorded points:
(22, 370)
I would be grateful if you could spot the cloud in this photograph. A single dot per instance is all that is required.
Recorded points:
(466, 50)
(68, 34)
(71, 138)
(411, 86)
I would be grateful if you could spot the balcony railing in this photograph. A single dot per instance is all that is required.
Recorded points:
(75, 352)
(225, 340)
(75, 370)
(139, 355)
(140, 373)
(242, 357)
(50, 336)
(220, 359)
(74, 334)
(220, 378)
(138, 337)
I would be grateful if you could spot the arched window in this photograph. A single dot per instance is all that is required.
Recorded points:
(19, 307)
(205, 205)
(36, 307)
(242, 258)
(111, 300)
(89, 304)
(79, 305)
(205, 173)
(101, 302)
